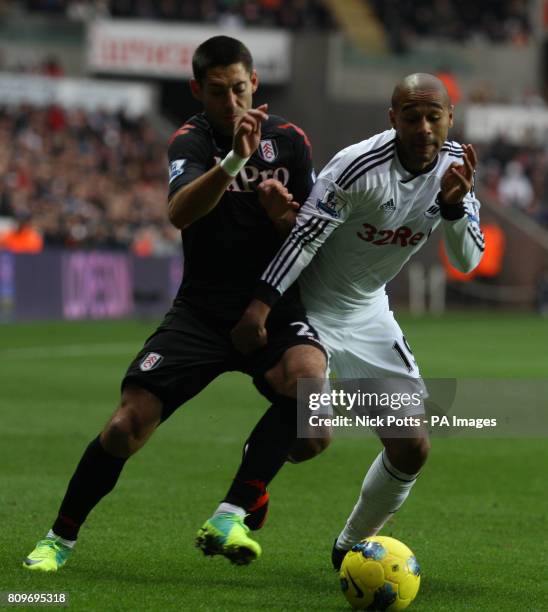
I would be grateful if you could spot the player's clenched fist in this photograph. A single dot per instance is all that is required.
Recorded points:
(247, 131)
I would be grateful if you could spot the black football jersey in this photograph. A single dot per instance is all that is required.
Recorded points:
(226, 251)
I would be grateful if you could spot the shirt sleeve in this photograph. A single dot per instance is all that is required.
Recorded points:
(464, 240)
(327, 207)
(302, 174)
(188, 156)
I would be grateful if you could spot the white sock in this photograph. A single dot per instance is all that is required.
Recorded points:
(225, 508)
(384, 490)
(68, 543)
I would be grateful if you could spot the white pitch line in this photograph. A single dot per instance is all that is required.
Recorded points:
(70, 350)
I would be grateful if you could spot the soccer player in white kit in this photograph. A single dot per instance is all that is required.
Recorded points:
(373, 206)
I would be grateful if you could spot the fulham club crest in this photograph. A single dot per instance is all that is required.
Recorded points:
(150, 361)
(268, 150)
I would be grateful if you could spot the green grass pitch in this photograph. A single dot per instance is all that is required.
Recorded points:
(476, 519)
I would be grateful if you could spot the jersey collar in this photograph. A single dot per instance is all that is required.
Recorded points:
(404, 176)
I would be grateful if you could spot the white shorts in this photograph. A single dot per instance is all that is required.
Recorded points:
(368, 344)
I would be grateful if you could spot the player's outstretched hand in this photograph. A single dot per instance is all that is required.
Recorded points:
(249, 334)
(276, 199)
(247, 131)
(458, 179)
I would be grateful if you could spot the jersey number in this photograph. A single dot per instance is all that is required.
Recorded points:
(304, 330)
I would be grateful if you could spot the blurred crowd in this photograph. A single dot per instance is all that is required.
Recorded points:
(292, 14)
(85, 179)
(515, 176)
(406, 21)
(76, 179)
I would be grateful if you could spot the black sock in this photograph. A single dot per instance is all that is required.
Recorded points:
(94, 477)
(266, 451)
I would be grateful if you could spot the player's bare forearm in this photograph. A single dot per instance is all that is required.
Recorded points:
(198, 198)
(202, 195)
(249, 334)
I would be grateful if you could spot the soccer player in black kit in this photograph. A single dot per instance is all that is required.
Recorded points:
(235, 177)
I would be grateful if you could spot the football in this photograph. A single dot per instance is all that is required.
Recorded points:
(380, 573)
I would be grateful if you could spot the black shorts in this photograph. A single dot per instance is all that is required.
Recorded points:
(188, 351)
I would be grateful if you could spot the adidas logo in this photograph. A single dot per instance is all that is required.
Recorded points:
(389, 206)
(432, 211)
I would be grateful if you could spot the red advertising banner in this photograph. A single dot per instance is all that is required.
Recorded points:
(163, 50)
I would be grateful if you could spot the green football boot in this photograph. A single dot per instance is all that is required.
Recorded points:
(48, 556)
(226, 534)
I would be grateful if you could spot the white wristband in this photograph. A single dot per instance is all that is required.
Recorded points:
(233, 163)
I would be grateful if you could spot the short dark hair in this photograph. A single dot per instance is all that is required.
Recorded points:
(220, 51)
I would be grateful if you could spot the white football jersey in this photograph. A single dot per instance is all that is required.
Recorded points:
(364, 218)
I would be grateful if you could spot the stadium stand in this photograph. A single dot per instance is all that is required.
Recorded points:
(99, 180)
(515, 176)
(104, 181)
(460, 20)
(51, 66)
(292, 14)
(86, 179)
